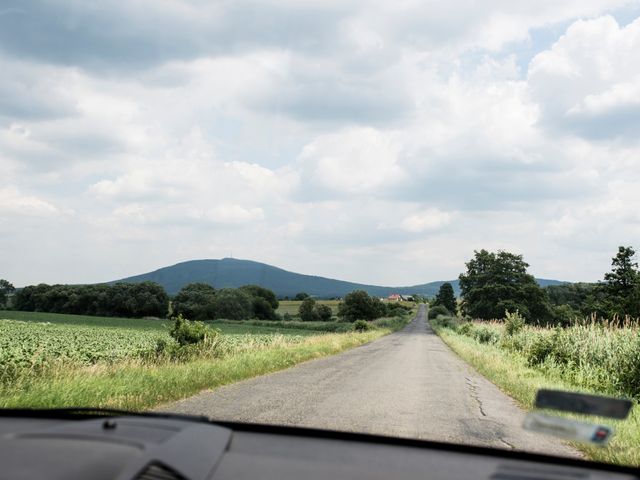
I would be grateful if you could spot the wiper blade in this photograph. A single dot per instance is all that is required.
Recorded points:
(84, 413)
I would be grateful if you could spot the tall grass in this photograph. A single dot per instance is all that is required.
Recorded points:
(595, 355)
(590, 356)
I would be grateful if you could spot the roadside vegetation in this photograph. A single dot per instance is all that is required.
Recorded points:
(56, 360)
(523, 345)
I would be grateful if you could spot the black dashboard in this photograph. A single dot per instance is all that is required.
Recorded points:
(163, 448)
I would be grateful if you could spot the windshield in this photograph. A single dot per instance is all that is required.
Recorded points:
(400, 218)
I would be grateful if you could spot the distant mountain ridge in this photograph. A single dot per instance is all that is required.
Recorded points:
(231, 272)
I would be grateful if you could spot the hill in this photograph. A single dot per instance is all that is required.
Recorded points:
(231, 272)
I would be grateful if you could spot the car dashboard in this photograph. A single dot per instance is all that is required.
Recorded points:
(162, 448)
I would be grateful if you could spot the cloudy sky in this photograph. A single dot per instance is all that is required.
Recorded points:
(379, 142)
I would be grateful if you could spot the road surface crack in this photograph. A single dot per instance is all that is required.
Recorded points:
(473, 389)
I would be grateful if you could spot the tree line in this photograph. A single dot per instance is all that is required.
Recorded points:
(498, 282)
(136, 300)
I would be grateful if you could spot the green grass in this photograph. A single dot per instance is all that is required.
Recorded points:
(70, 360)
(85, 320)
(507, 362)
(135, 385)
(292, 306)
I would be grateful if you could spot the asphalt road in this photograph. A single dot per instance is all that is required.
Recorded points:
(407, 384)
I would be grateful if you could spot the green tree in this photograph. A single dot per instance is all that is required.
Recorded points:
(358, 305)
(5, 290)
(324, 312)
(195, 301)
(498, 282)
(233, 304)
(301, 296)
(446, 297)
(620, 285)
(307, 311)
(265, 302)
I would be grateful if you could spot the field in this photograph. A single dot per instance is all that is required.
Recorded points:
(596, 358)
(53, 360)
(292, 306)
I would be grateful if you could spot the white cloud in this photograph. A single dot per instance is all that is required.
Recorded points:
(431, 219)
(588, 83)
(13, 202)
(338, 138)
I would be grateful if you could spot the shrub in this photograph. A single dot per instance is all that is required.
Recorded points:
(485, 334)
(233, 304)
(564, 315)
(465, 328)
(361, 326)
(307, 311)
(187, 332)
(513, 322)
(324, 313)
(540, 348)
(358, 305)
(438, 310)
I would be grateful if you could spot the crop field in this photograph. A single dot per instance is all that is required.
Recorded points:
(292, 306)
(54, 360)
(32, 341)
(38, 349)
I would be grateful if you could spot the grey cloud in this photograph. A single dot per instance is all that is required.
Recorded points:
(131, 37)
(621, 123)
(334, 99)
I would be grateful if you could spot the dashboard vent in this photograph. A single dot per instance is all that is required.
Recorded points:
(157, 471)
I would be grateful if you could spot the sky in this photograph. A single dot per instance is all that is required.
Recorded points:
(378, 142)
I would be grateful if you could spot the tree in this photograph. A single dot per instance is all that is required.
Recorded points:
(195, 301)
(623, 277)
(358, 305)
(233, 304)
(498, 282)
(265, 302)
(301, 296)
(307, 311)
(446, 298)
(5, 290)
(324, 312)
(621, 284)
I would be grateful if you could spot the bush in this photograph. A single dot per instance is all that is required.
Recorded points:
(324, 313)
(564, 315)
(485, 334)
(361, 326)
(307, 311)
(187, 332)
(465, 328)
(195, 301)
(358, 305)
(233, 304)
(513, 323)
(438, 310)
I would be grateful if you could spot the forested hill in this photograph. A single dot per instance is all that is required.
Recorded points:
(231, 272)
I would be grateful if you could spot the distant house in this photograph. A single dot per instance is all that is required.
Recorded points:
(398, 297)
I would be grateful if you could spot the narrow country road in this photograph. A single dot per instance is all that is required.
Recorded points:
(407, 384)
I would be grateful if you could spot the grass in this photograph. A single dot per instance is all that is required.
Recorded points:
(70, 360)
(292, 306)
(135, 385)
(516, 365)
(85, 320)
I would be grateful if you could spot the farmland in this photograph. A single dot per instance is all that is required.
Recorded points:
(292, 306)
(64, 353)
